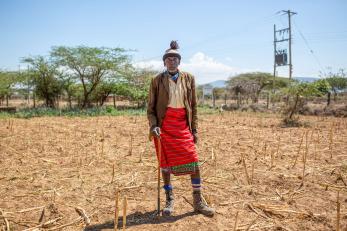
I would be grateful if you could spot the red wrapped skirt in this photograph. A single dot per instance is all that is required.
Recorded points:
(178, 153)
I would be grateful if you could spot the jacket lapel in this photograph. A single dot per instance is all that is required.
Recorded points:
(184, 84)
(165, 81)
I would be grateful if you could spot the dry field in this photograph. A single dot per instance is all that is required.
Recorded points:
(256, 174)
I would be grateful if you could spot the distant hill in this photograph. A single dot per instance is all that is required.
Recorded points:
(222, 83)
(217, 83)
(306, 79)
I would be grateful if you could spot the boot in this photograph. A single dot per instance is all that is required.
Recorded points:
(169, 206)
(200, 205)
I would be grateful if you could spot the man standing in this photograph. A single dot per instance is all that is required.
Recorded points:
(172, 115)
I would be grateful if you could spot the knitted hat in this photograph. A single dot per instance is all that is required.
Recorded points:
(172, 51)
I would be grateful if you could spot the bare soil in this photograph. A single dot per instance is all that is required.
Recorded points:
(258, 175)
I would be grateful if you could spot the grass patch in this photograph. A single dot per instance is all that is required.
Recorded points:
(207, 110)
(88, 112)
(74, 112)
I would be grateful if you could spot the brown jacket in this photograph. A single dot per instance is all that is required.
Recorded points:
(158, 99)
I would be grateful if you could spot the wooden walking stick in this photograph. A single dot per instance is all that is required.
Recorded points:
(116, 210)
(159, 160)
(125, 204)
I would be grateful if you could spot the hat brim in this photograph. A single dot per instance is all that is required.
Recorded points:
(171, 55)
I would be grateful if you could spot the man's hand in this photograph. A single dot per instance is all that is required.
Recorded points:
(195, 136)
(156, 131)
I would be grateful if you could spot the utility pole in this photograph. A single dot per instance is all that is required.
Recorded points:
(285, 35)
(290, 42)
(273, 82)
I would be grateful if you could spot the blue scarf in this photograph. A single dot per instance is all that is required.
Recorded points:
(175, 76)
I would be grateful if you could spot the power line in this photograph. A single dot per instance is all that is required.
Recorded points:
(241, 29)
(309, 47)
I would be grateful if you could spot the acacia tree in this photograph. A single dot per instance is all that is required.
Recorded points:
(297, 92)
(69, 86)
(252, 84)
(324, 87)
(45, 78)
(91, 65)
(138, 83)
(8, 79)
(337, 81)
(102, 91)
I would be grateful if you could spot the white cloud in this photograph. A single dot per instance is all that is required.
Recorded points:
(205, 69)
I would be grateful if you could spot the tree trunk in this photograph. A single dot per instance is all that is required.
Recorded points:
(86, 94)
(114, 101)
(104, 98)
(328, 99)
(238, 100)
(85, 102)
(213, 100)
(34, 100)
(294, 107)
(256, 99)
(69, 100)
(7, 100)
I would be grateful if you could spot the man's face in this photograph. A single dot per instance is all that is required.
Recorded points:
(172, 63)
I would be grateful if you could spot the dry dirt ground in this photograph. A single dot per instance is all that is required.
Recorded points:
(258, 175)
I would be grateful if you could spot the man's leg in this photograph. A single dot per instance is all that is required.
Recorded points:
(199, 204)
(166, 177)
(169, 206)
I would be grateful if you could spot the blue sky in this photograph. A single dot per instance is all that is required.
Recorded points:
(218, 38)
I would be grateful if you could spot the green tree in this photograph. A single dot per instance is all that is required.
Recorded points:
(337, 81)
(8, 80)
(219, 92)
(102, 91)
(45, 78)
(138, 83)
(324, 88)
(297, 91)
(199, 91)
(76, 91)
(252, 84)
(91, 65)
(69, 86)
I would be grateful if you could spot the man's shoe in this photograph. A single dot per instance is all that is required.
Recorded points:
(200, 205)
(169, 206)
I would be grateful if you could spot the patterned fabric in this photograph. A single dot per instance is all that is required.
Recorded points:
(178, 153)
(167, 187)
(175, 76)
(196, 184)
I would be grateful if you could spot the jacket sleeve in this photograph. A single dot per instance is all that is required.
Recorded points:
(151, 107)
(194, 106)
